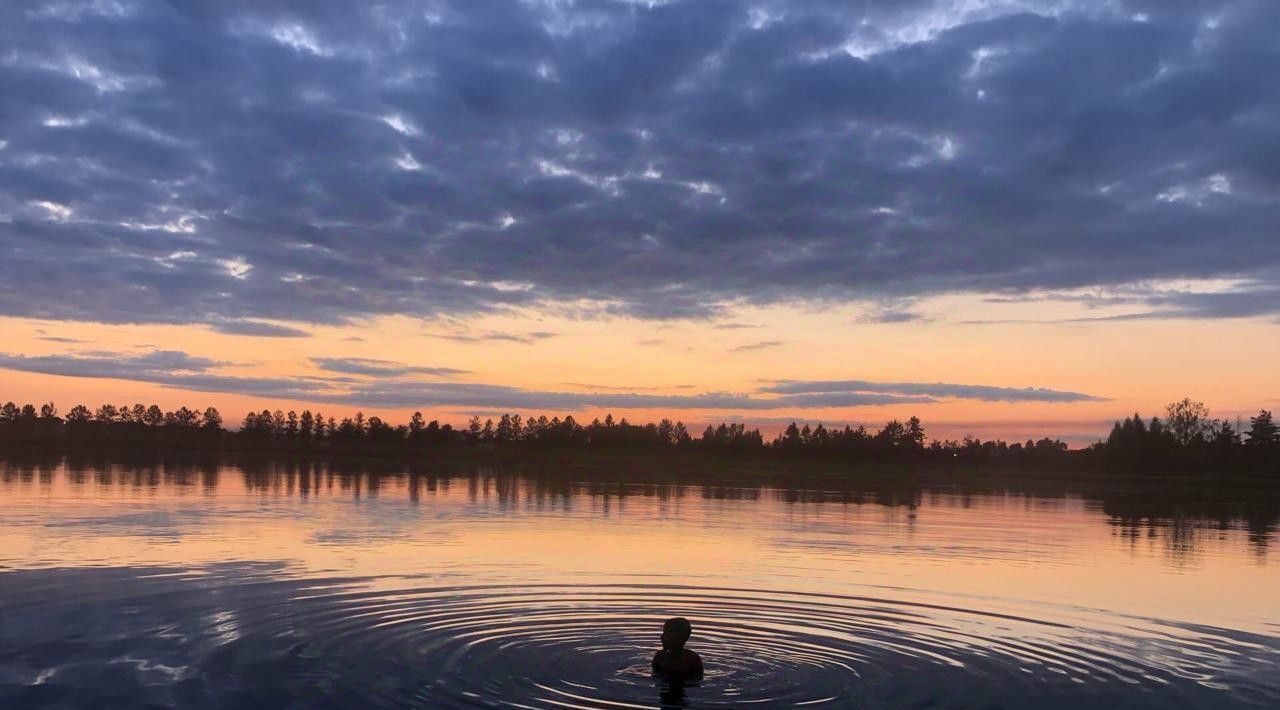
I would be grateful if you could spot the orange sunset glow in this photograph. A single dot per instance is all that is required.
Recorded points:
(1128, 366)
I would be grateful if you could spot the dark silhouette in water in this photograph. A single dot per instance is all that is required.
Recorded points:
(675, 663)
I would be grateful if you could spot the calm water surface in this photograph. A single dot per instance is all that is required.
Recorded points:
(294, 585)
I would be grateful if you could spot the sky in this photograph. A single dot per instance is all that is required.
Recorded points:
(1010, 218)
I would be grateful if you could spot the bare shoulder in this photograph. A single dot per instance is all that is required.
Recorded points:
(683, 663)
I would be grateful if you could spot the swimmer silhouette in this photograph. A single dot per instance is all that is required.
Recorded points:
(674, 662)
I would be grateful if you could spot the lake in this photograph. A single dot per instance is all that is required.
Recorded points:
(293, 584)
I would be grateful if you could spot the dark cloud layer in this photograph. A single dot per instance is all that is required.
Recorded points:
(379, 383)
(319, 162)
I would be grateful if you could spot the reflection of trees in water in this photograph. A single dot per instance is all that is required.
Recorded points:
(28, 470)
(1181, 519)
(1181, 515)
(142, 473)
(1185, 520)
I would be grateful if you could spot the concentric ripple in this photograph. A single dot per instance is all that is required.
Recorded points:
(241, 640)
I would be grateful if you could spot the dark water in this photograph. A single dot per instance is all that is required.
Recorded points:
(295, 586)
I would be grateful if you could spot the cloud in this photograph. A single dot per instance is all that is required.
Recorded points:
(759, 345)
(168, 367)
(770, 422)
(383, 384)
(258, 329)
(1247, 300)
(938, 390)
(178, 370)
(107, 364)
(609, 388)
(657, 160)
(459, 394)
(163, 367)
(61, 339)
(489, 337)
(736, 326)
(614, 388)
(380, 368)
(892, 316)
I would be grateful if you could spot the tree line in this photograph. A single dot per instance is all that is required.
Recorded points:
(1187, 437)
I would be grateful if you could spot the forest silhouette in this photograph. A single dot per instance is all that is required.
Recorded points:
(1186, 438)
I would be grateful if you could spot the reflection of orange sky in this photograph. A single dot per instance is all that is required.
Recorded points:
(1140, 365)
(999, 549)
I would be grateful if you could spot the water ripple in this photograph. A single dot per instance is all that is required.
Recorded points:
(248, 638)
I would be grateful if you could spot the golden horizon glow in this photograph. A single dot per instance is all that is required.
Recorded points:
(1137, 365)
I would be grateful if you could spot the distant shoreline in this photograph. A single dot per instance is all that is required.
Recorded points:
(1186, 441)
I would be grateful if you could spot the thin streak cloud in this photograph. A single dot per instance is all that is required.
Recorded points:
(760, 345)
(938, 390)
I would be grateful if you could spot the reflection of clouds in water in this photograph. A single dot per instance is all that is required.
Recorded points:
(172, 523)
(167, 524)
(846, 547)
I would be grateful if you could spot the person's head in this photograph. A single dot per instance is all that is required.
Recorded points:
(675, 633)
